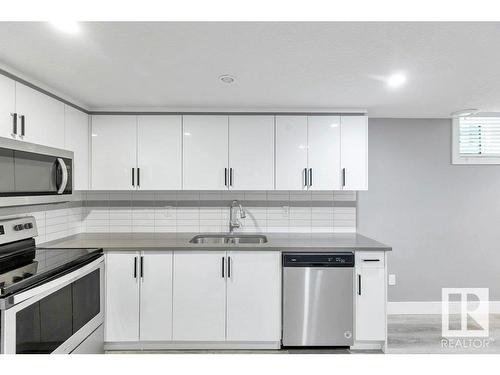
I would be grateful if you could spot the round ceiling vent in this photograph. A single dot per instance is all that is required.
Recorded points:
(227, 78)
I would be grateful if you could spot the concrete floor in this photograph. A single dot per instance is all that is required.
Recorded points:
(422, 334)
(407, 334)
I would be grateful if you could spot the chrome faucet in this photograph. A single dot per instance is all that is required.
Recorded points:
(233, 220)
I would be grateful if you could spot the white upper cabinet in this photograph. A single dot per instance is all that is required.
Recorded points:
(159, 152)
(114, 152)
(199, 303)
(76, 132)
(205, 152)
(40, 117)
(354, 152)
(7, 107)
(251, 152)
(254, 296)
(291, 152)
(323, 138)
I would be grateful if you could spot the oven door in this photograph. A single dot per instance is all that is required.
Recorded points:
(57, 316)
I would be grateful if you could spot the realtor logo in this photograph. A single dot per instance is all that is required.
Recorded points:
(465, 312)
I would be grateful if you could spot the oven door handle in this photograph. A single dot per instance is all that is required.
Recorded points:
(58, 282)
(64, 181)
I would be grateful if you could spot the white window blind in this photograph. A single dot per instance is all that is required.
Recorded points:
(479, 136)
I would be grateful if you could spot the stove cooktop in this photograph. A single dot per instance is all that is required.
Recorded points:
(47, 264)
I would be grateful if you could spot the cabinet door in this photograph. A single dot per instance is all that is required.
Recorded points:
(156, 296)
(43, 117)
(323, 138)
(251, 152)
(114, 152)
(370, 298)
(354, 152)
(254, 296)
(199, 296)
(159, 152)
(205, 152)
(77, 140)
(122, 296)
(291, 152)
(7, 106)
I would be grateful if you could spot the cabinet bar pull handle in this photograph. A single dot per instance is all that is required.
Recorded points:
(133, 177)
(139, 177)
(305, 177)
(359, 285)
(223, 267)
(135, 267)
(310, 177)
(142, 267)
(371, 260)
(14, 123)
(230, 176)
(229, 267)
(343, 176)
(225, 176)
(22, 125)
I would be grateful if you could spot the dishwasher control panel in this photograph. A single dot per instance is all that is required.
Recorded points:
(341, 259)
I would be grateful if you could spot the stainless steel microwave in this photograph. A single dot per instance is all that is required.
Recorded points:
(34, 174)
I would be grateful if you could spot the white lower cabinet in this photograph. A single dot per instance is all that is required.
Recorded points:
(138, 296)
(199, 296)
(254, 296)
(370, 296)
(122, 296)
(156, 296)
(193, 298)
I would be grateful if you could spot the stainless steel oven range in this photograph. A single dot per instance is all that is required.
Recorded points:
(51, 300)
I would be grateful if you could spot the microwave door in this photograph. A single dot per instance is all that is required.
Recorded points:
(35, 173)
(7, 171)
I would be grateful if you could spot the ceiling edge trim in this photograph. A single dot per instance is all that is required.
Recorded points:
(43, 91)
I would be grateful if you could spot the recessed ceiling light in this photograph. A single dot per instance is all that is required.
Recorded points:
(69, 27)
(464, 113)
(226, 78)
(396, 80)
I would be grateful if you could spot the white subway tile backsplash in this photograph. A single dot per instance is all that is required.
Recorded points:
(273, 211)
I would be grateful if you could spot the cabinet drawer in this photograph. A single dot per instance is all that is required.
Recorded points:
(370, 259)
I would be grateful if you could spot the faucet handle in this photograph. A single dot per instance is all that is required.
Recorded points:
(243, 213)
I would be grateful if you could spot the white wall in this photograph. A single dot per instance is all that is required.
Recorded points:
(442, 220)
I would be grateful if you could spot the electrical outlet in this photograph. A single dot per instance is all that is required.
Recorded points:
(167, 211)
(392, 279)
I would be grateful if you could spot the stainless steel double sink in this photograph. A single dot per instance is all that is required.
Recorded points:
(230, 239)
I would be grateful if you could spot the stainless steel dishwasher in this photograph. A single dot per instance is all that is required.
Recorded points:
(318, 297)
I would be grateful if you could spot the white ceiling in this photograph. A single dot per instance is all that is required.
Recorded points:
(450, 66)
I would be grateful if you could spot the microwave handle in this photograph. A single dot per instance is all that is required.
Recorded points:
(64, 181)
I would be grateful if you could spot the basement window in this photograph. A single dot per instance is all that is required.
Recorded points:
(476, 140)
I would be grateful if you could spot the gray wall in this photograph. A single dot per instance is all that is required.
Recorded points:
(442, 220)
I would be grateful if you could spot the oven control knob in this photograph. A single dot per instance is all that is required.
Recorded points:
(18, 227)
(28, 226)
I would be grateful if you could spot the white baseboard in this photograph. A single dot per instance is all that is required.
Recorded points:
(192, 345)
(428, 307)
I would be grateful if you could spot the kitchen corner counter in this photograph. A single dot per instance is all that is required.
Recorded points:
(303, 242)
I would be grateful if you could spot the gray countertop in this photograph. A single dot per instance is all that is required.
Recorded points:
(180, 241)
